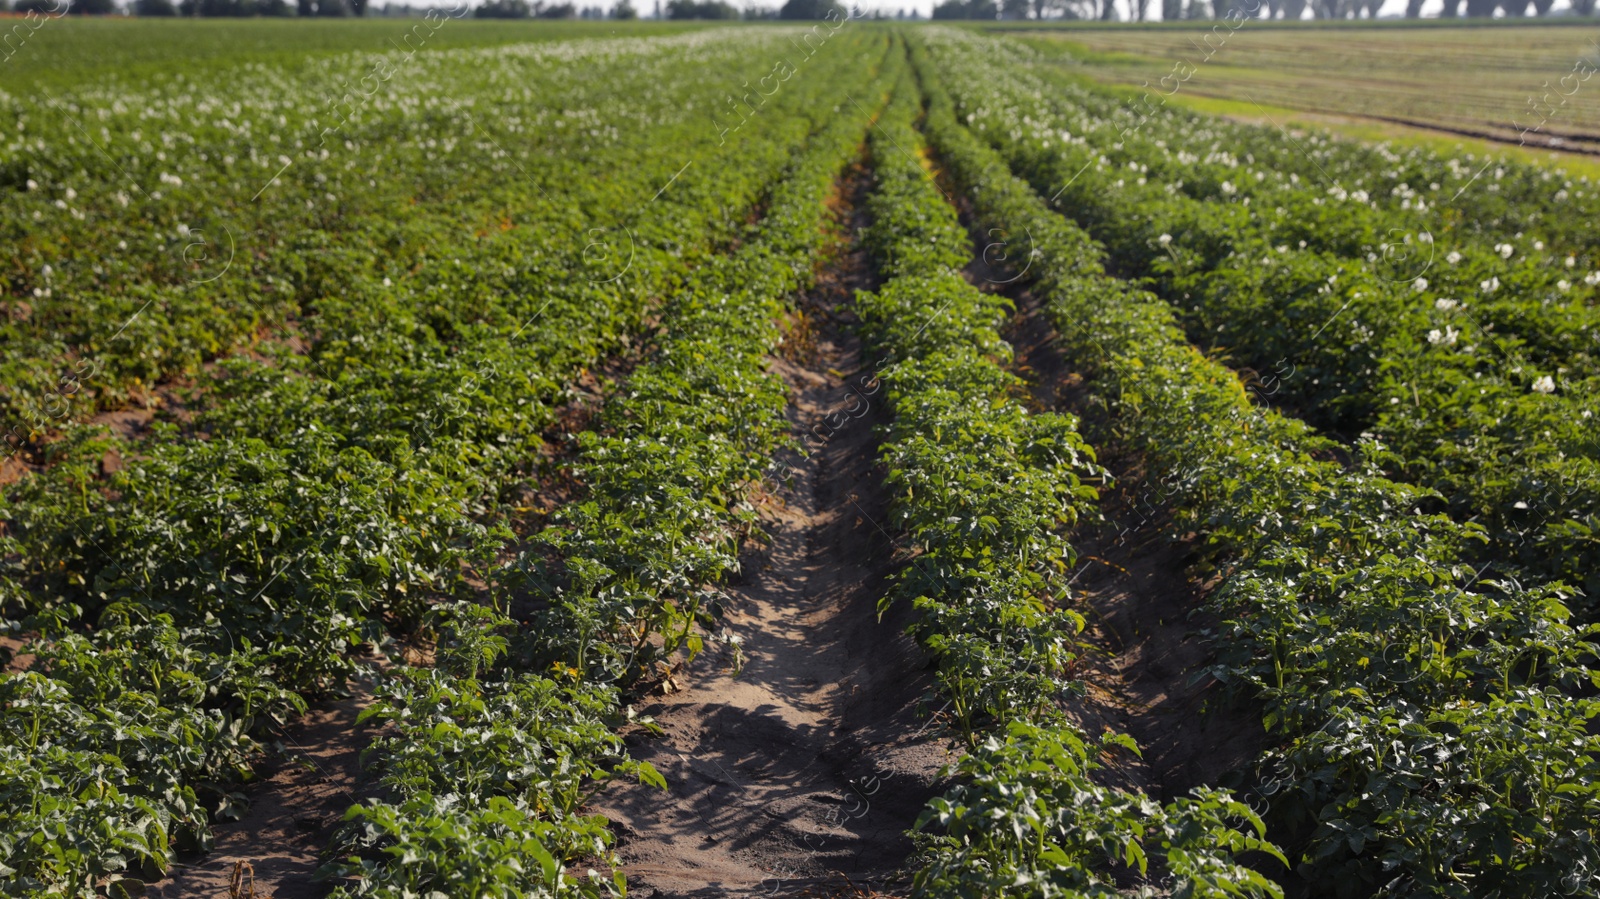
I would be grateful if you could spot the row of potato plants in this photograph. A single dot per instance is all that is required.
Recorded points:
(1481, 377)
(984, 489)
(497, 747)
(154, 224)
(1163, 150)
(1491, 197)
(1540, 295)
(1432, 731)
(319, 499)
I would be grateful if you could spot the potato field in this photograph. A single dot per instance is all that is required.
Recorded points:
(857, 459)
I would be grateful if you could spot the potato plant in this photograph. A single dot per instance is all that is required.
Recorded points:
(330, 486)
(303, 355)
(1471, 356)
(984, 490)
(487, 775)
(1395, 679)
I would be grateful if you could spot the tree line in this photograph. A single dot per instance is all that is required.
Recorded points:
(1172, 10)
(489, 9)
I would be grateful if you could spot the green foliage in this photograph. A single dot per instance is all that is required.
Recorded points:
(438, 847)
(483, 778)
(485, 774)
(354, 474)
(1434, 735)
(1394, 287)
(984, 489)
(118, 747)
(1027, 820)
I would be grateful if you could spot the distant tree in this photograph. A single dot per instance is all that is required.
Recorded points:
(1337, 9)
(701, 9)
(808, 10)
(1583, 7)
(558, 11)
(624, 11)
(759, 13)
(1542, 7)
(1044, 9)
(503, 9)
(1481, 9)
(218, 9)
(333, 9)
(154, 8)
(1014, 9)
(966, 9)
(91, 8)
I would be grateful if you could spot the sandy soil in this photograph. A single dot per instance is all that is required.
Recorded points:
(1147, 678)
(306, 783)
(800, 773)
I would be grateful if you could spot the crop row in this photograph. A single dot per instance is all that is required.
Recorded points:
(1489, 198)
(1429, 743)
(152, 226)
(314, 502)
(1482, 384)
(1224, 203)
(486, 778)
(984, 490)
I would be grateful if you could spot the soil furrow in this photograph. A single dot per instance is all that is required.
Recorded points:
(1135, 580)
(309, 777)
(1137, 585)
(800, 772)
(311, 772)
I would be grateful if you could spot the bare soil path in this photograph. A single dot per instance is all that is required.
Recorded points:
(800, 773)
(312, 773)
(306, 784)
(1135, 580)
(1136, 584)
